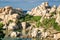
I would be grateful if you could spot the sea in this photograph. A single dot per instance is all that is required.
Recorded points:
(9, 38)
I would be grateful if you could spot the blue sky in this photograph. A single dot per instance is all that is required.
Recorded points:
(26, 4)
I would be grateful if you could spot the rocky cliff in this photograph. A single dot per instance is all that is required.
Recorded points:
(46, 11)
(8, 13)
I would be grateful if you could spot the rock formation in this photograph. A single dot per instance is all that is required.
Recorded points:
(14, 34)
(34, 32)
(40, 10)
(9, 17)
(56, 36)
(8, 13)
(24, 28)
(46, 11)
(58, 15)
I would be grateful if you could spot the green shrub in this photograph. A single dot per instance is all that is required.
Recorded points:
(30, 18)
(10, 21)
(48, 22)
(38, 24)
(56, 26)
(1, 32)
(25, 18)
(51, 23)
(36, 18)
(22, 19)
(1, 35)
(1, 25)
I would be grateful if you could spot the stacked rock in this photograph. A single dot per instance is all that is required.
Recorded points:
(14, 34)
(9, 16)
(46, 11)
(53, 9)
(40, 10)
(58, 15)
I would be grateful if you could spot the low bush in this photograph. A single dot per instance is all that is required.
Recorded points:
(1, 25)
(48, 22)
(30, 18)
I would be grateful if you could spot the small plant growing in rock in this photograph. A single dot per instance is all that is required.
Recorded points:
(10, 21)
(1, 25)
(52, 14)
(56, 26)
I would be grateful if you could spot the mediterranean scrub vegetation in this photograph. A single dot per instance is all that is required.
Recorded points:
(1, 25)
(47, 23)
(31, 19)
(1, 31)
(51, 23)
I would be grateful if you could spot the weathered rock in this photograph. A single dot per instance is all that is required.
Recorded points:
(1, 16)
(13, 34)
(13, 17)
(24, 28)
(8, 7)
(56, 36)
(46, 4)
(41, 10)
(34, 32)
(41, 29)
(58, 9)
(58, 18)
(12, 26)
(0, 10)
(53, 9)
(58, 15)
(8, 13)
(23, 25)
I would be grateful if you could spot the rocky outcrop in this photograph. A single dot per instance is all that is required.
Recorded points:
(43, 10)
(56, 36)
(14, 34)
(12, 26)
(8, 13)
(40, 10)
(34, 32)
(58, 15)
(46, 11)
(53, 9)
(24, 25)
